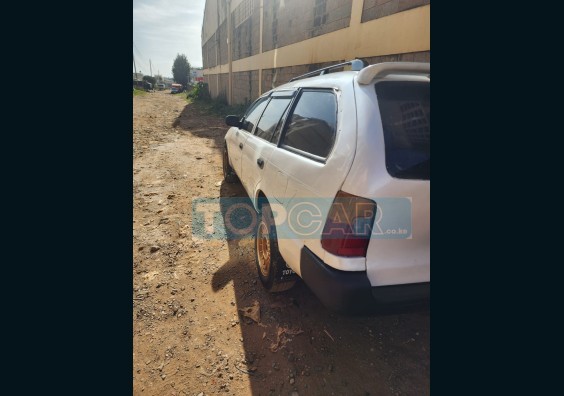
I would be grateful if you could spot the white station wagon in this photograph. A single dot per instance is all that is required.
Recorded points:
(337, 166)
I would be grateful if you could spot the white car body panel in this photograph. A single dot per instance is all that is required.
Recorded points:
(294, 176)
(355, 165)
(251, 174)
(389, 261)
(233, 138)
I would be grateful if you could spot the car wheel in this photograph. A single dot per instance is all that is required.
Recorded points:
(228, 173)
(273, 272)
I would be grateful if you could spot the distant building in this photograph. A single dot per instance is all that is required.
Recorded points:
(168, 81)
(251, 46)
(197, 74)
(138, 80)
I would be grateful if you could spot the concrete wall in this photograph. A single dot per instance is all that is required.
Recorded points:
(256, 50)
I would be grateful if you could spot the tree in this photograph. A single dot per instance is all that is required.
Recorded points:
(181, 70)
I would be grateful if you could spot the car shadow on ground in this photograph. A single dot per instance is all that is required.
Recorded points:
(299, 345)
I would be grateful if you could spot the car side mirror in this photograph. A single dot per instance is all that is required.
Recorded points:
(233, 120)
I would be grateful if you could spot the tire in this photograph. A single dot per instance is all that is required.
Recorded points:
(228, 173)
(272, 270)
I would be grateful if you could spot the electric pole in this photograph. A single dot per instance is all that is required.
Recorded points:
(151, 68)
(135, 67)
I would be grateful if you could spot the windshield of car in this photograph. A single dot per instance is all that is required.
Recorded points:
(405, 112)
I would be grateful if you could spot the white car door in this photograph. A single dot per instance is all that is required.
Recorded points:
(255, 162)
(311, 165)
(238, 136)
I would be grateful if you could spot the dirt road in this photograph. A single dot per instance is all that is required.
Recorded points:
(190, 334)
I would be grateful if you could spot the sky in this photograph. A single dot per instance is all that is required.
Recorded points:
(164, 28)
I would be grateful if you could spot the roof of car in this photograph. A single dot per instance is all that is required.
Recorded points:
(405, 71)
(330, 80)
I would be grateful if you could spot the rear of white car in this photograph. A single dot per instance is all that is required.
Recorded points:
(368, 188)
(391, 171)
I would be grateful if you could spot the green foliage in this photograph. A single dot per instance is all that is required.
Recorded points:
(181, 70)
(199, 92)
(199, 95)
(222, 109)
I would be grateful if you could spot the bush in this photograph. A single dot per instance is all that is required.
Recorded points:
(199, 92)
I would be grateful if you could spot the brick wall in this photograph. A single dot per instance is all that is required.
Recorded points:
(245, 86)
(218, 91)
(212, 85)
(209, 52)
(272, 78)
(424, 56)
(246, 29)
(374, 9)
(223, 59)
(223, 87)
(300, 20)
(330, 15)
(287, 22)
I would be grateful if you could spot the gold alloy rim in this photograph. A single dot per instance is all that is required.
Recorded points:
(263, 249)
(224, 162)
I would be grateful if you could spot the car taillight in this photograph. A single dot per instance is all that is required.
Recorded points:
(349, 225)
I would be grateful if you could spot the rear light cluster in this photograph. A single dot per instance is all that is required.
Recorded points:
(349, 225)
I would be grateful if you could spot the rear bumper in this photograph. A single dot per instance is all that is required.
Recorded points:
(351, 292)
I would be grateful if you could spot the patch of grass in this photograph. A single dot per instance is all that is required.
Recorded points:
(138, 92)
(199, 95)
(220, 109)
(190, 98)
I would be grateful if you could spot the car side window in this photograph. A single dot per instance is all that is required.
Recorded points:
(313, 123)
(270, 119)
(253, 114)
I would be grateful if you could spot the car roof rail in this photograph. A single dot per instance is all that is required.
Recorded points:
(356, 65)
(366, 75)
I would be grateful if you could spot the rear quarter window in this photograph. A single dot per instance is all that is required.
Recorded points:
(406, 120)
(313, 123)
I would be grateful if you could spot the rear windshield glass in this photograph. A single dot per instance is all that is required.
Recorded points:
(405, 111)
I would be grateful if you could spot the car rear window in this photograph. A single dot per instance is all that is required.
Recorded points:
(406, 118)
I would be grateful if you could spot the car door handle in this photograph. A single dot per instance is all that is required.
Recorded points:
(260, 163)
(241, 146)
